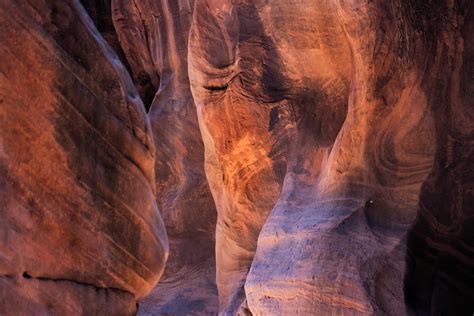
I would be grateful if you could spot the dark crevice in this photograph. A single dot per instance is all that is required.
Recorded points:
(100, 11)
(216, 88)
(28, 276)
(143, 80)
(273, 120)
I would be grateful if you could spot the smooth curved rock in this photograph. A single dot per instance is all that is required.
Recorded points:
(183, 195)
(332, 139)
(80, 230)
(281, 73)
(440, 276)
(244, 131)
(342, 227)
(100, 11)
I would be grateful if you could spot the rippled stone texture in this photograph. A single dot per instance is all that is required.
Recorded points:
(244, 125)
(154, 36)
(346, 107)
(440, 276)
(80, 230)
(332, 139)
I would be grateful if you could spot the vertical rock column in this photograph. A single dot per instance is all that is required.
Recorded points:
(271, 83)
(154, 36)
(80, 231)
(440, 276)
(342, 232)
(243, 124)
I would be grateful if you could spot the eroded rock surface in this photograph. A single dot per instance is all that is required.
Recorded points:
(80, 231)
(244, 125)
(344, 106)
(333, 140)
(154, 36)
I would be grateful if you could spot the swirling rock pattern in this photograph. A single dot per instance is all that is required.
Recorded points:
(322, 148)
(80, 231)
(440, 274)
(334, 103)
(154, 36)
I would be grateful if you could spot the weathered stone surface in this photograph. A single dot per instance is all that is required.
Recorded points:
(333, 140)
(80, 230)
(338, 99)
(22, 296)
(440, 277)
(243, 124)
(154, 35)
(100, 11)
(342, 227)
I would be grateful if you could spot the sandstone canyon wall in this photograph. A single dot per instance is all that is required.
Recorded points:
(154, 36)
(354, 102)
(80, 228)
(309, 157)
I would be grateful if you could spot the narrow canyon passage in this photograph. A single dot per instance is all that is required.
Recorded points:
(236, 157)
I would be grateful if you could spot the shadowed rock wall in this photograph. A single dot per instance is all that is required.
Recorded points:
(154, 36)
(345, 112)
(80, 232)
(308, 157)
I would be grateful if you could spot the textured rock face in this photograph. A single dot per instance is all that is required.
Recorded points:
(440, 276)
(154, 36)
(344, 106)
(80, 229)
(245, 142)
(341, 225)
(308, 157)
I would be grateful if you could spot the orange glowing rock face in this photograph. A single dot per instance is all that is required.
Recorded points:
(154, 37)
(81, 231)
(307, 157)
(321, 124)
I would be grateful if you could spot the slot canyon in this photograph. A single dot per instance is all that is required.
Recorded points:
(237, 157)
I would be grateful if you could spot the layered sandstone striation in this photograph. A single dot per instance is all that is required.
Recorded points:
(80, 231)
(308, 157)
(330, 127)
(154, 37)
